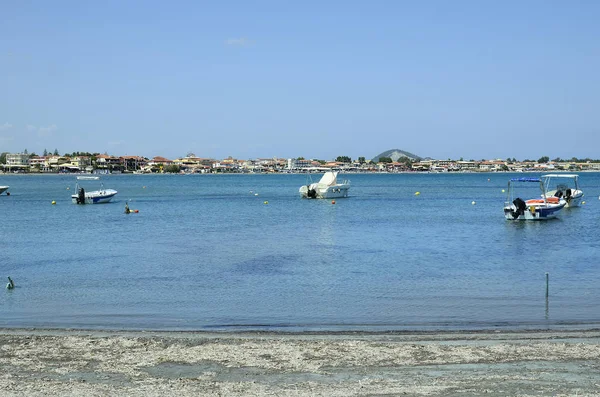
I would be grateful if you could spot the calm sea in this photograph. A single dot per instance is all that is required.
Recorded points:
(246, 252)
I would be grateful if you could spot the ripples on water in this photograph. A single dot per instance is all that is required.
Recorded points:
(206, 252)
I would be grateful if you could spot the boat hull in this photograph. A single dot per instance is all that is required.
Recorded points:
(3, 189)
(574, 200)
(96, 197)
(329, 192)
(534, 210)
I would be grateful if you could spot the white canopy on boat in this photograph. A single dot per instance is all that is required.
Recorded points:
(329, 178)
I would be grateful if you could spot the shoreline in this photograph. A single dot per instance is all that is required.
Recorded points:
(257, 363)
(342, 171)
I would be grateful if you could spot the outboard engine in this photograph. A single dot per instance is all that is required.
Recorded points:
(311, 193)
(81, 196)
(568, 194)
(520, 207)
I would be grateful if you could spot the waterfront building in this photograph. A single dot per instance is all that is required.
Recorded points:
(17, 162)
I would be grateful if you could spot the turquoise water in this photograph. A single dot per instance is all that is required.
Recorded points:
(206, 252)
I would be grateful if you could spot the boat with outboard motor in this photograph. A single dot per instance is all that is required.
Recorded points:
(327, 187)
(564, 186)
(515, 208)
(100, 196)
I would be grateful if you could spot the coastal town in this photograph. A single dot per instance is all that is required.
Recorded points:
(106, 164)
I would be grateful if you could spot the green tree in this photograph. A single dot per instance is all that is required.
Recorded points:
(300, 158)
(173, 168)
(45, 152)
(406, 161)
(343, 159)
(543, 159)
(56, 152)
(25, 151)
(3, 157)
(385, 160)
(362, 160)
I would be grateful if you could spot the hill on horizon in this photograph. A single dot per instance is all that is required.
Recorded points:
(395, 154)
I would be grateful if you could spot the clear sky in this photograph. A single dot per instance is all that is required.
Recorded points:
(319, 79)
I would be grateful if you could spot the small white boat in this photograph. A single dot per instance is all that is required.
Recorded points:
(93, 197)
(516, 208)
(563, 186)
(88, 178)
(3, 189)
(328, 187)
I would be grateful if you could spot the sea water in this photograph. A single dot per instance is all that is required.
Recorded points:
(246, 252)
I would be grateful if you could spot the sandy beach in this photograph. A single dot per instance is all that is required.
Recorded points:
(91, 363)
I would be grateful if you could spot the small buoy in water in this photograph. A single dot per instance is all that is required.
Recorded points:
(53, 202)
(488, 179)
(583, 202)
(136, 211)
(68, 188)
(10, 284)
(503, 191)
(472, 202)
(144, 187)
(332, 201)
(266, 202)
(256, 194)
(417, 193)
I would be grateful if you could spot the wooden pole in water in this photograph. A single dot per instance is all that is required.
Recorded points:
(547, 282)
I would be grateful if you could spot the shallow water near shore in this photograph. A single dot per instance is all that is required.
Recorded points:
(212, 252)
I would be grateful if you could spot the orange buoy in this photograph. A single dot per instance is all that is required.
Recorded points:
(332, 201)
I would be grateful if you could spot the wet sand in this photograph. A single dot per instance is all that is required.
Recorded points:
(90, 363)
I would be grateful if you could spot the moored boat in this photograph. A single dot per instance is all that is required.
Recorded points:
(100, 196)
(564, 186)
(516, 208)
(327, 187)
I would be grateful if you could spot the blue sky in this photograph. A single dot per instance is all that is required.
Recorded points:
(318, 79)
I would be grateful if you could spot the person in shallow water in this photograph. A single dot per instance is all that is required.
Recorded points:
(10, 284)
(127, 210)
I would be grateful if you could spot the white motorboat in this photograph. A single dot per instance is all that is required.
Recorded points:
(563, 186)
(3, 189)
(88, 178)
(328, 187)
(516, 208)
(100, 196)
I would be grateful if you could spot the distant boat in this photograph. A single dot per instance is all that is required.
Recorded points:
(3, 189)
(328, 187)
(100, 196)
(565, 186)
(88, 178)
(515, 208)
